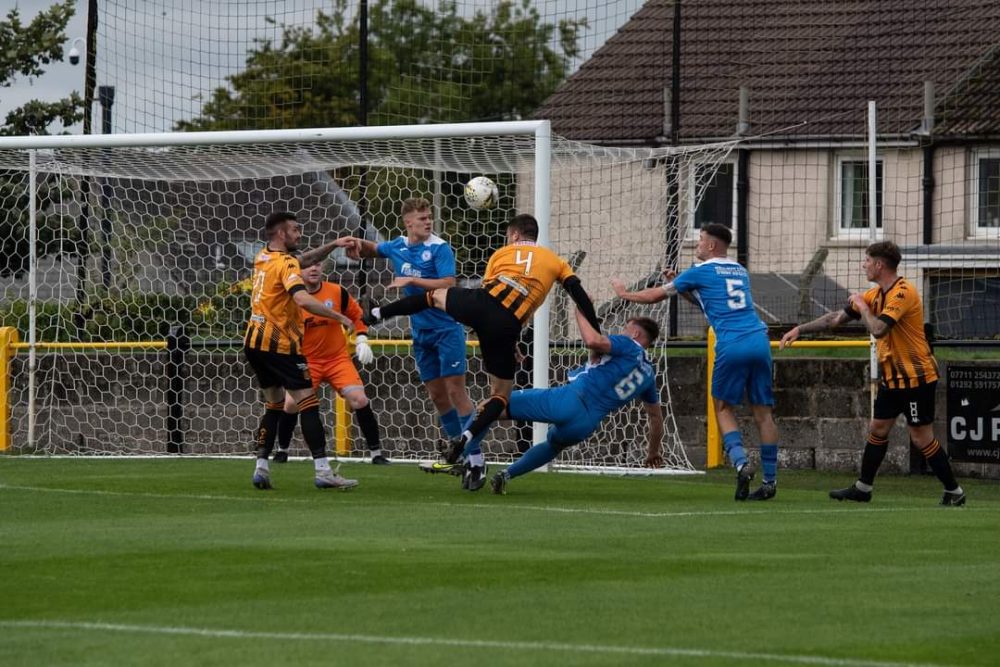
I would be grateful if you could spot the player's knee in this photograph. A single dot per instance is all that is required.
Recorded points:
(357, 399)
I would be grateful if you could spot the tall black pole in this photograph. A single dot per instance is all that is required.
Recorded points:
(83, 222)
(106, 96)
(673, 244)
(363, 120)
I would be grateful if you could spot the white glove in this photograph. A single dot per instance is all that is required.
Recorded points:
(362, 350)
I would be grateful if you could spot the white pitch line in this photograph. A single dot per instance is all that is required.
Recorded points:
(500, 505)
(559, 647)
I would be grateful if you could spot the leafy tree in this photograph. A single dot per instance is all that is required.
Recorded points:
(25, 51)
(424, 65)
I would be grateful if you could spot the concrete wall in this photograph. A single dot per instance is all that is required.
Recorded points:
(99, 403)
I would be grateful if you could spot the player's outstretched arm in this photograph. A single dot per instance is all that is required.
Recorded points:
(574, 288)
(424, 283)
(821, 323)
(358, 247)
(314, 255)
(592, 338)
(648, 295)
(654, 446)
(307, 301)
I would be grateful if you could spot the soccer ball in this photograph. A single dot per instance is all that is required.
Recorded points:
(481, 193)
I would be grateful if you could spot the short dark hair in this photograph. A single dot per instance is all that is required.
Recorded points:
(276, 220)
(887, 251)
(412, 204)
(718, 231)
(525, 225)
(648, 325)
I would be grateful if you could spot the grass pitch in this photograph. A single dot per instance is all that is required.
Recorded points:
(182, 562)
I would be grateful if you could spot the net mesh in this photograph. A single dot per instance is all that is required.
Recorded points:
(136, 244)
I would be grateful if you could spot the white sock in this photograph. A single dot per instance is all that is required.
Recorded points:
(322, 464)
(376, 452)
(956, 491)
(262, 465)
(861, 486)
(377, 313)
(477, 460)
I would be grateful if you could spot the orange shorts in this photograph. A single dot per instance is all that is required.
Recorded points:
(339, 373)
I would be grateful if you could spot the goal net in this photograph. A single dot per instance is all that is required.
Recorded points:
(132, 255)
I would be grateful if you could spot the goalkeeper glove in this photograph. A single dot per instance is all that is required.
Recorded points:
(362, 350)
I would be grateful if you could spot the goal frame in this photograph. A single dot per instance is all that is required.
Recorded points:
(541, 130)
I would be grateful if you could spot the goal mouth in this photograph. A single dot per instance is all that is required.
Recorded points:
(134, 306)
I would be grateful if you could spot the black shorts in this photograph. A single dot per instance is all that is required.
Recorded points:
(279, 370)
(497, 328)
(915, 403)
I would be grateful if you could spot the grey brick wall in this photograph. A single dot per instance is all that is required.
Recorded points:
(100, 402)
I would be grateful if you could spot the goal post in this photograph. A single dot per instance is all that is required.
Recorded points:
(130, 237)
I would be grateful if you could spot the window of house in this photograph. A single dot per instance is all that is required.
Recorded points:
(986, 194)
(718, 197)
(852, 197)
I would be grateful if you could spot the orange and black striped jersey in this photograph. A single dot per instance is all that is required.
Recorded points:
(520, 276)
(324, 338)
(905, 357)
(275, 321)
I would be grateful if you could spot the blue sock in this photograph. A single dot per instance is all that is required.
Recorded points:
(769, 461)
(732, 443)
(450, 424)
(475, 446)
(532, 459)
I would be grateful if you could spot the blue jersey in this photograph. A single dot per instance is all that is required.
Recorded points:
(722, 288)
(621, 375)
(431, 259)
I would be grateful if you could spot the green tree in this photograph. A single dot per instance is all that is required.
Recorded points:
(25, 49)
(424, 65)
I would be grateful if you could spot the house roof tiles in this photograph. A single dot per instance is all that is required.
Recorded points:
(810, 65)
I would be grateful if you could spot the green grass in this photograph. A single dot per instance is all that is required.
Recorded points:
(181, 562)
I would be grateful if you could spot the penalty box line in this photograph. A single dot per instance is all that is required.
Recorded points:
(541, 646)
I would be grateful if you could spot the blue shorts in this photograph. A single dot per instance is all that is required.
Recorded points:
(743, 367)
(569, 419)
(439, 352)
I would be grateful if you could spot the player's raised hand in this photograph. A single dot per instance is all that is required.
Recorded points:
(618, 286)
(669, 274)
(789, 338)
(858, 303)
(362, 350)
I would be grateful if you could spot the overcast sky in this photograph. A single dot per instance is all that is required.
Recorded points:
(172, 52)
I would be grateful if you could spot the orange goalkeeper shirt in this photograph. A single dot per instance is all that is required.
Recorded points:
(324, 338)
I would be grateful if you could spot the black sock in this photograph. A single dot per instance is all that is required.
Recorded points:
(268, 429)
(286, 427)
(939, 463)
(489, 413)
(369, 427)
(875, 450)
(312, 426)
(408, 305)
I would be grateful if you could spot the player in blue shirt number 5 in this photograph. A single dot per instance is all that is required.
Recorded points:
(721, 288)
